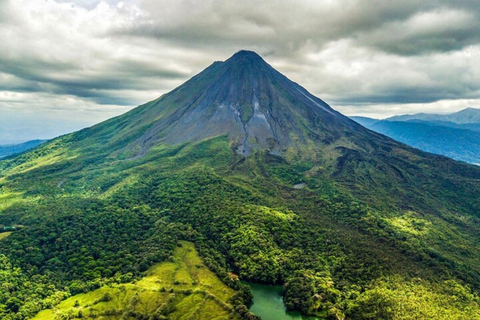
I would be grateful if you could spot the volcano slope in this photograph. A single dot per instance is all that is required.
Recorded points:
(267, 181)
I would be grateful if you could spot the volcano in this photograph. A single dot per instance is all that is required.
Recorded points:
(267, 182)
(243, 98)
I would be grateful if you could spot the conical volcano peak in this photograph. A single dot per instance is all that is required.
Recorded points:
(247, 63)
(246, 55)
(243, 57)
(247, 100)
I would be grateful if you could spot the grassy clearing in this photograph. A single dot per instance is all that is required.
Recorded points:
(7, 199)
(3, 235)
(180, 289)
(411, 223)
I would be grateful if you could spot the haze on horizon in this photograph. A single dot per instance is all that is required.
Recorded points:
(66, 64)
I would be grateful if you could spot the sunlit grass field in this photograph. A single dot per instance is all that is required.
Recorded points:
(183, 288)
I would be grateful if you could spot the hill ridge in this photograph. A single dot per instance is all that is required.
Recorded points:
(464, 116)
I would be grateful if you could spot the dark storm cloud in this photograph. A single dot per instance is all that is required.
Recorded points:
(283, 26)
(98, 85)
(440, 30)
(382, 37)
(399, 96)
(406, 27)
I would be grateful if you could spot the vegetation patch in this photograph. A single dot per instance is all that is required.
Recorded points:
(3, 235)
(178, 289)
(411, 223)
(398, 298)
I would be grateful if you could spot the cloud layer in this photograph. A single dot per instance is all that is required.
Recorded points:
(88, 60)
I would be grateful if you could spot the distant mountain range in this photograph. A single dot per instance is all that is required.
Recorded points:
(9, 149)
(455, 135)
(465, 116)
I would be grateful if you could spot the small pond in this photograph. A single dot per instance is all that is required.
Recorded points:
(268, 303)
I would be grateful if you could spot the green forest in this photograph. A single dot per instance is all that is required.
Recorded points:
(95, 221)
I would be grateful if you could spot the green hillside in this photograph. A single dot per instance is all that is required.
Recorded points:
(353, 224)
(178, 289)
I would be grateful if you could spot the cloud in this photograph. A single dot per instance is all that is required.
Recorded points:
(62, 48)
(290, 26)
(113, 55)
(346, 51)
(33, 115)
(432, 31)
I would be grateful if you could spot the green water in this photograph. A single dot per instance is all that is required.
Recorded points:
(268, 303)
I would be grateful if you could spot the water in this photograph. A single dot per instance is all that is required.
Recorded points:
(268, 303)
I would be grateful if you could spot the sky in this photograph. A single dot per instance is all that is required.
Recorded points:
(65, 65)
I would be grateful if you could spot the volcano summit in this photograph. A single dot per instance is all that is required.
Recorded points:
(247, 100)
